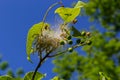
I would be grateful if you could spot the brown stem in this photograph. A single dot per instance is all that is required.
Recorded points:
(39, 65)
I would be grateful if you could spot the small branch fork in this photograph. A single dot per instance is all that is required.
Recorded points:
(39, 65)
(50, 56)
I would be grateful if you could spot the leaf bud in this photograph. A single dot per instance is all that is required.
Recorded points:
(70, 42)
(83, 33)
(89, 42)
(69, 37)
(62, 42)
(70, 49)
(82, 42)
(74, 21)
(78, 41)
(88, 33)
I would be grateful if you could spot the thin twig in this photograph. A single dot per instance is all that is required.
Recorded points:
(50, 56)
(49, 10)
(44, 18)
(75, 46)
(61, 3)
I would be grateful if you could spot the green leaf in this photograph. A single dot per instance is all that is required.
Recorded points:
(33, 33)
(75, 32)
(6, 78)
(103, 76)
(38, 76)
(68, 14)
(56, 78)
(79, 4)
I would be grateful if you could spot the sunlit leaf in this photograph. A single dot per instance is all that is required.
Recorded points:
(79, 4)
(68, 14)
(56, 78)
(33, 32)
(38, 76)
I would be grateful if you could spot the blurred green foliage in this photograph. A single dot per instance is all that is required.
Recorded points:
(4, 65)
(103, 76)
(19, 72)
(107, 12)
(103, 55)
(6, 78)
(9, 74)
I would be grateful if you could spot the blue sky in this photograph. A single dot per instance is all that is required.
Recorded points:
(16, 17)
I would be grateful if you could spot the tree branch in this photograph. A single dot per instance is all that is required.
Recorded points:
(39, 65)
(75, 46)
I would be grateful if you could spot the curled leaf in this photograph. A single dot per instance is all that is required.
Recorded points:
(79, 4)
(33, 33)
